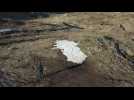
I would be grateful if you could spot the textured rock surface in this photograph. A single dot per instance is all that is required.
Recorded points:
(6, 80)
(106, 39)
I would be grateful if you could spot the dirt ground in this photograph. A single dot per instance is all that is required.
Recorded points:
(106, 37)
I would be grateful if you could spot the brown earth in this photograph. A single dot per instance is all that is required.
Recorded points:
(107, 39)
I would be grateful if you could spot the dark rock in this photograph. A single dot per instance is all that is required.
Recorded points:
(6, 81)
(121, 52)
(125, 53)
(9, 31)
(102, 42)
(109, 38)
(122, 27)
(118, 47)
(39, 68)
(25, 15)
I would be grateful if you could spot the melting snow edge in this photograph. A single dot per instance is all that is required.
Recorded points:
(71, 51)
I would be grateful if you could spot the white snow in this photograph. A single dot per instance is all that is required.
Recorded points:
(71, 51)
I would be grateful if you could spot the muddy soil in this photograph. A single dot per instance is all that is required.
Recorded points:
(106, 38)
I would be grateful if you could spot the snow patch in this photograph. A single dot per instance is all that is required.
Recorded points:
(71, 51)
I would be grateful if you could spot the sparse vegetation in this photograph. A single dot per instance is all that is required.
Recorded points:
(28, 57)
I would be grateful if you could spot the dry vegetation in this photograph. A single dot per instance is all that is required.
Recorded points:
(107, 39)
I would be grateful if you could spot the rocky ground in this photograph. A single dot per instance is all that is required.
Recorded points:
(28, 58)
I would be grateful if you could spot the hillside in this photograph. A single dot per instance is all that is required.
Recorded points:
(28, 57)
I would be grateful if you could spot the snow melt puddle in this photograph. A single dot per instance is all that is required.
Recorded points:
(71, 51)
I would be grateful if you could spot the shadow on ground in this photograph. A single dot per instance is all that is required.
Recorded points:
(26, 15)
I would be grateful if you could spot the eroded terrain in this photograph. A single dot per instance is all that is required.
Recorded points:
(27, 56)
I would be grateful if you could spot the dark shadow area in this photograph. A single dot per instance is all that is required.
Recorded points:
(25, 15)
